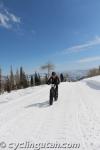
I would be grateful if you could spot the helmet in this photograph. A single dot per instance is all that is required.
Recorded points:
(53, 73)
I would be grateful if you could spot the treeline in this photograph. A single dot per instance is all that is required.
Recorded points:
(94, 72)
(20, 80)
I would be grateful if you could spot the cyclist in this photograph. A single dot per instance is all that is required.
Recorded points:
(54, 79)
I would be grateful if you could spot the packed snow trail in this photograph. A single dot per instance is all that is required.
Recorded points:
(25, 115)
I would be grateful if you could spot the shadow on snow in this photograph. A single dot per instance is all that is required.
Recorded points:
(39, 105)
(3, 102)
(93, 85)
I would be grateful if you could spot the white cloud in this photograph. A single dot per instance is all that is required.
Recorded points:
(7, 19)
(82, 47)
(4, 21)
(12, 17)
(89, 59)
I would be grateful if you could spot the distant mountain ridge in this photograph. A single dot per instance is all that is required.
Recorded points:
(77, 74)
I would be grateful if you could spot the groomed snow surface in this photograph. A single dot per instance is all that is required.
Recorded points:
(73, 122)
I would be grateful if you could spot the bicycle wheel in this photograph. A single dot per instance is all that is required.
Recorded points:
(56, 95)
(51, 96)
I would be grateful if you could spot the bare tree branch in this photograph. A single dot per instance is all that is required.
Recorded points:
(49, 67)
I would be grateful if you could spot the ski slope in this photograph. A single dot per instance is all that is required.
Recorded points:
(25, 116)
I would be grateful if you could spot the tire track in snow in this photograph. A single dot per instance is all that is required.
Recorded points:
(75, 91)
(53, 122)
(89, 120)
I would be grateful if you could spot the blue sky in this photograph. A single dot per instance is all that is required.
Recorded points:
(64, 32)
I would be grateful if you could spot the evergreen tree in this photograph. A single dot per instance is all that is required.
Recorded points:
(36, 79)
(21, 77)
(25, 80)
(61, 77)
(11, 79)
(28, 80)
(39, 79)
(32, 81)
(99, 70)
(7, 85)
(17, 79)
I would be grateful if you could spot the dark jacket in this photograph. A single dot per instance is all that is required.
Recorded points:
(54, 80)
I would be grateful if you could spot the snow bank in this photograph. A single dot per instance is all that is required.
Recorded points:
(8, 97)
(93, 82)
(26, 117)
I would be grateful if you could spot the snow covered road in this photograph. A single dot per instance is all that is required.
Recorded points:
(25, 115)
